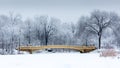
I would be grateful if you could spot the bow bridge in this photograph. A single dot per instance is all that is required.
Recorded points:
(81, 49)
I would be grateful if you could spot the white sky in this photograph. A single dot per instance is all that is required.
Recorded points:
(66, 10)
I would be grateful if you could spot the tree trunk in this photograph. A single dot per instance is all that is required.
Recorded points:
(86, 42)
(46, 38)
(19, 46)
(99, 41)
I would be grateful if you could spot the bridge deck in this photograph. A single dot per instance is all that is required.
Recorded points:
(78, 48)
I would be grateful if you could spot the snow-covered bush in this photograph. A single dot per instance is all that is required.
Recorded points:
(108, 53)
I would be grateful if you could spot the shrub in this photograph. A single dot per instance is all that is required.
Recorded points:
(108, 53)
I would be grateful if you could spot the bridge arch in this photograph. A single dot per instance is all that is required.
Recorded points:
(81, 49)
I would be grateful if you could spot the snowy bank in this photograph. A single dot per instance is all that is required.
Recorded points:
(58, 60)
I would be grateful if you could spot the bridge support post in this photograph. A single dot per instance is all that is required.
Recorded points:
(82, 51)
(30, 51)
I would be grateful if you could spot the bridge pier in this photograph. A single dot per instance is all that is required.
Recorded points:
(82, 51)
(30, 51)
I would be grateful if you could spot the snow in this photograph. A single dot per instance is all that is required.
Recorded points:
(58, 60)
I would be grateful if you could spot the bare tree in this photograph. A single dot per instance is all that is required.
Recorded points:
(116, 31)
(45, 29)
(14, 19)
(99, 21)
(49, 30)
(81, 32)
(27, 32)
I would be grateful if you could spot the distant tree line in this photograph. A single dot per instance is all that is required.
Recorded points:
(99, 28)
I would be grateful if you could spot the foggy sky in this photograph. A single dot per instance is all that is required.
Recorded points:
(66, 10)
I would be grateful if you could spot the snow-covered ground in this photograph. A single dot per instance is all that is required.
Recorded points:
(58, 60)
